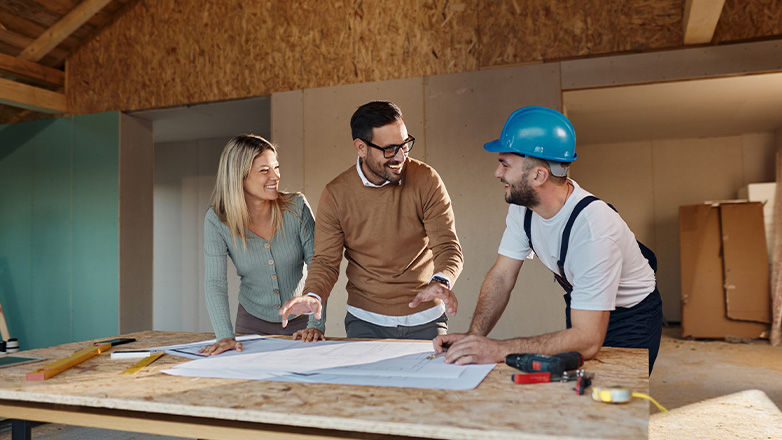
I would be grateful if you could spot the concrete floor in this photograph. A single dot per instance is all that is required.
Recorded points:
(712, 389)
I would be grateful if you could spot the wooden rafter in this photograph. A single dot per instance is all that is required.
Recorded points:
(30, 70)
(700, 20)
(60, 31)
(32, 98)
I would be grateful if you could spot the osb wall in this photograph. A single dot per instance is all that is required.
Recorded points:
(172, 52)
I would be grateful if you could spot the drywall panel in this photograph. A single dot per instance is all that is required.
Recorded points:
(96, 240)
(464, 111)
(60, 282)
(16, 183)
(328, 148)
(758, 152)
(51, 239)
(287, 128)
(135, 224)
(701, 62)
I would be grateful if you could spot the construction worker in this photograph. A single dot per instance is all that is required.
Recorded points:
(611, 292)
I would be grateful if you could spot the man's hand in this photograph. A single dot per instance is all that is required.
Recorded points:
(309, 335)
(469, 349)
(437, 290)
(300, 305)
(221, 346)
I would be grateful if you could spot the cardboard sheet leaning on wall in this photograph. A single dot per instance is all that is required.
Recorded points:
(724, 267)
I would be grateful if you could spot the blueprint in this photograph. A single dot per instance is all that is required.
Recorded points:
(378, 363)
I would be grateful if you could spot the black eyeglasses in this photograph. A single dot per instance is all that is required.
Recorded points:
(391, 150)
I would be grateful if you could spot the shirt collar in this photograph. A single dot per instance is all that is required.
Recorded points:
(364, 178)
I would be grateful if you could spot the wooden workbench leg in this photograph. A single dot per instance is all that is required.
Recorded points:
(21, 430)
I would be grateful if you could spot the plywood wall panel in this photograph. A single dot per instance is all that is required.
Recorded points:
(742, 20)
(212, 50)
(165, 52)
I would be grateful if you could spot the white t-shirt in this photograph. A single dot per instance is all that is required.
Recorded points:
(604, 263)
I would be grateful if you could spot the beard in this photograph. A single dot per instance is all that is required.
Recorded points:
(382, 171)
(521, 193)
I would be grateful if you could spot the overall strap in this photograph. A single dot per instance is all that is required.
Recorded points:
(566, 232)
(528, 227)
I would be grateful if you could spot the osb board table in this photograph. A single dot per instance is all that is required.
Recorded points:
(94, 394)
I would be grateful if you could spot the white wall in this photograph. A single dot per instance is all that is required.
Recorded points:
(184, 178)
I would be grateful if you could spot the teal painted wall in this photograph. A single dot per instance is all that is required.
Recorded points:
(59, 229)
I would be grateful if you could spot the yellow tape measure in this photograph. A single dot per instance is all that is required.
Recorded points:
(617, 394)
(143, 363)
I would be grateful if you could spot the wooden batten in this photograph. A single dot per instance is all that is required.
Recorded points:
(700, 20)
(32, 98)
(62, 29)
(30, 70)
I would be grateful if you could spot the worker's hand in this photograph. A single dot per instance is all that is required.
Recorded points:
(300, 305)
(465, 349)
(437, 290)
(221, 346)
(309, 335)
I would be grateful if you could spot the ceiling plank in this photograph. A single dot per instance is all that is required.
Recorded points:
(32, 98)
(20, 41)
(700, 20)
(60, 31)
(31, 70)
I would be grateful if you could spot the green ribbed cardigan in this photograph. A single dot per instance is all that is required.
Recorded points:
(270, 272)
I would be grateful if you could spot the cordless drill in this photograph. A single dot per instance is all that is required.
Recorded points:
(556, 364)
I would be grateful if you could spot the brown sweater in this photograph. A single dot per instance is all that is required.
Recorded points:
(395, 238)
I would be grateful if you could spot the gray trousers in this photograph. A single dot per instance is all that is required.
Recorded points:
(357, 328)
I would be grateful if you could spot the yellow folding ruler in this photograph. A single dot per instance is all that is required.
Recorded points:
(143, 363)
(63, 364)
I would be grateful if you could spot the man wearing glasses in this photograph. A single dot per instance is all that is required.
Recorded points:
(392, 216)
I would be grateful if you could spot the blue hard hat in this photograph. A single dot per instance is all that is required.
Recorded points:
(537, 132)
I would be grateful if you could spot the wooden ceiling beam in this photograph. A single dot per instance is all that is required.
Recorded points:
(32, 98)
(31, 70)
(62, 29)
(700, 20)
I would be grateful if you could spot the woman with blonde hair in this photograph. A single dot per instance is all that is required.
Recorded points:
(268, 234)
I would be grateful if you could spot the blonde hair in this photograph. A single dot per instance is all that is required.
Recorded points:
(228, 196)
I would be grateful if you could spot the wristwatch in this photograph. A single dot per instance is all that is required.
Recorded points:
(442, 280)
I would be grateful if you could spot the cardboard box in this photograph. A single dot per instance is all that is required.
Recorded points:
(724, 270)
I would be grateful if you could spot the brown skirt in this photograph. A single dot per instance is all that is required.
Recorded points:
(251, 325)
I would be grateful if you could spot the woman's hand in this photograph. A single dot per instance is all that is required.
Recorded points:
(309, 335)
(221, 346)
